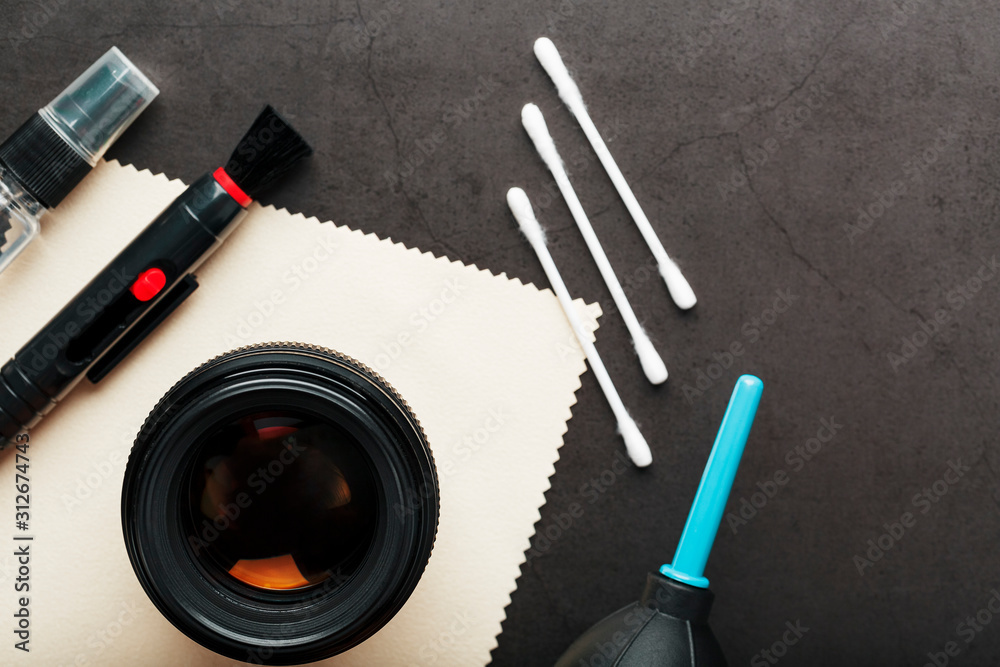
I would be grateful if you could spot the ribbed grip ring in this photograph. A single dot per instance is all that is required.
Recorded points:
(43, 162)
(21, 402)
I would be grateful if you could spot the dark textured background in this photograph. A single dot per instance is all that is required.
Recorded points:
(845, 99)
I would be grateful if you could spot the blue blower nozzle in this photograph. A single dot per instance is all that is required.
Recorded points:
(668, 626)
(716, 483)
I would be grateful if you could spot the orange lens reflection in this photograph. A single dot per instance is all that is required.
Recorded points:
(280, 573)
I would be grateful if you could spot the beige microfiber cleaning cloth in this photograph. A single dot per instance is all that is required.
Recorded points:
(489, 366)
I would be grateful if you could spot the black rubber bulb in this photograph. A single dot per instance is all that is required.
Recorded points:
(668, 626)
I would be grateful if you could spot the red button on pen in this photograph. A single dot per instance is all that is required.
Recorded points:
(148, 284)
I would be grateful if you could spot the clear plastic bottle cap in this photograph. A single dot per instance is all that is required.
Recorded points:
(96, 108)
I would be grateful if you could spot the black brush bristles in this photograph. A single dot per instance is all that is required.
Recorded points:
(268, 149)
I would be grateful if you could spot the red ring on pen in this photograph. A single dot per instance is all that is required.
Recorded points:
(229, 185)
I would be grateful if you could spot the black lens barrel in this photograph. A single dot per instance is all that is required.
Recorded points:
(245, 622)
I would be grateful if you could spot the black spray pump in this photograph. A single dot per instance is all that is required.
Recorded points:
(668, 626)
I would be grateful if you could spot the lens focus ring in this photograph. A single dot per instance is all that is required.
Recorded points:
(280, 503)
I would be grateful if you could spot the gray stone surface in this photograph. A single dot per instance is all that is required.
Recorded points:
(831, 107)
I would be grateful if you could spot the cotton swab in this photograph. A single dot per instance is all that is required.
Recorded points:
(534, 123)
(552, 63)
(635, 444)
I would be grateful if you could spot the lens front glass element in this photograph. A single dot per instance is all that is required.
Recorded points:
(281, 501)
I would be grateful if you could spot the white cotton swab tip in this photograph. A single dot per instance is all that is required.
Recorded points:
(520, 206)
(552, 63)
(678, 286)
(649, 359)
(534, 125)
(635, 444)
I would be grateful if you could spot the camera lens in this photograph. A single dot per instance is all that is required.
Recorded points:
(280, 504)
